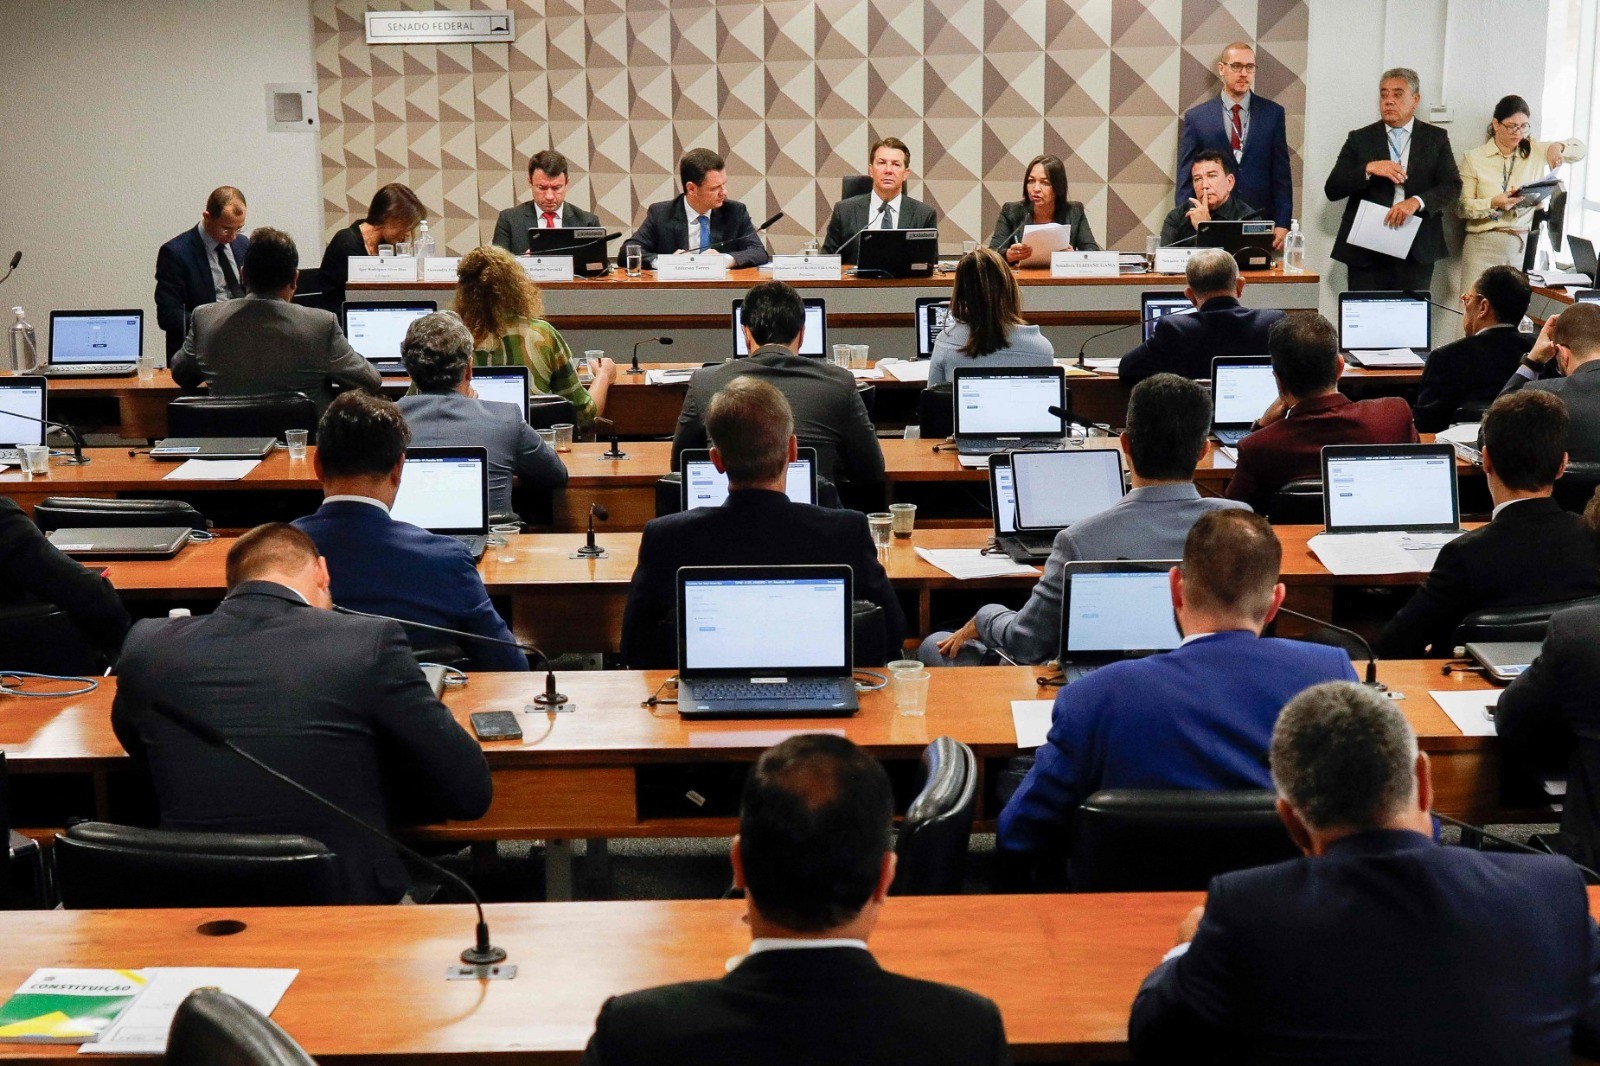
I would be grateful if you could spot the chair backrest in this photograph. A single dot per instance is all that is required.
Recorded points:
(1527, 623)
(65, 512)
(936, 413)
(1299, 503)
(854, 185)
(545, 410)
(932, 845)
(1576, 486)
(99, 866)
(1156, 840)
(869, 634)
(265, 414)
(21, 868)
(308, 287)
(869, 396)
(39, 636)
(212, 1028)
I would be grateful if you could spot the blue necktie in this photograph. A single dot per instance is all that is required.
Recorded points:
(1396, 146)
(705, 232)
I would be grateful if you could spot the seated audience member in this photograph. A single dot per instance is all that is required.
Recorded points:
(985, 327)
(884, 206)
(1380, 946)
(1531, 552)
(752, 441)
(700, 218)
(201, 265)
(393, 217)
(32, 570)
(1212, 177)
(445, 411)
(546, 209)
(1473, 369)
(387, 567)
(335, 702)
(829, 414)
(1310, 412)
(1570, 342)
(1197, 717)
(814, 859)
(1168, 419)
(265, 342)
(1219, 325)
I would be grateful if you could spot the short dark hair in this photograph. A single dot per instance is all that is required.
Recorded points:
(437, 350)
(395, 201)
(1343, 757)
(1305, 353)
(696, 164)
(1168, 419)
(890, 142)
(750, 422)
(774, 313)
(1578, 328)
(1507, 290)
(271, 261)
(1211, 155)
(221, 197)
(1231, 561)
(814, 826)
(274, 547)
(552, 162)
(1525, 436)
(361, 434)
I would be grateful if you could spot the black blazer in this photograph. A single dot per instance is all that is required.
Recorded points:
(336, 266)
(850, 216)
(666, 230)
(184, 282)
(1581, 393)
(1019, 213)
(800, 1008)
(1176, 229)
(1387, 949)
(754, 527)
(31, 569)
(511, 228)
(1469, 370)
(1432, 175)
(1534, 552)
(338, 703)
(1185, 344)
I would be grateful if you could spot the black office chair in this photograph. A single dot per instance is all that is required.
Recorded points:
(1299, 503)
(936, 412)
(869, 633)
(265, 414)
(932, 844)
(1170, 840)
(212, 1028)
(1470, 411)
(854, 185)
(71, 512)
(1576, 487)
(22, 873)
(39, 636)
(309, 286)
(103, 866)
(545, 410)
(1527, 623)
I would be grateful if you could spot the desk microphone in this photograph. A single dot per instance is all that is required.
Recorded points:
(482, 953)
(1078, 420)
(591, 550)
(1128, 325)
(15, 259)
(768, 224)
(1517, 844)
(579, 246)
(665, 342)
(1427, 298)
(1372, 659)
(851, 239)
(78, 458)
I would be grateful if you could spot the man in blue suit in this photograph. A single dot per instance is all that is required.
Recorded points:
(1380, 946)
(201, 265)
(1249, 127)
(1185, 344)
(1197, 717)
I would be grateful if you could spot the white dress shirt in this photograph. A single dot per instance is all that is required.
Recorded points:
(348, 498)
(1228, 100)
(694, 231)
(1405, 154)
(874, 219)
(772, 943)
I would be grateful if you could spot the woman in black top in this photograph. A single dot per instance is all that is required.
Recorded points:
(1044, 200)
(392, 218)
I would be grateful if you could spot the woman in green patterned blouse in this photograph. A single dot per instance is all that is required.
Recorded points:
(504, 310)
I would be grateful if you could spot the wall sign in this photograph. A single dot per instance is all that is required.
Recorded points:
(440, 27)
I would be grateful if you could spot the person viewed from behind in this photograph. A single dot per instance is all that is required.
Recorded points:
(1473, 369)
(1220, 325)
(985, 327)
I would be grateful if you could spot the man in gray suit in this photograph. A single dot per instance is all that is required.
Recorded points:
(446, 412)
(1168, 419)
(265, 343)
(1569, 341)
(885, 207)
(548, 182)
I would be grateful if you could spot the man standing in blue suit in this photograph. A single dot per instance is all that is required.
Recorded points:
(1249, 127)
(201, 265)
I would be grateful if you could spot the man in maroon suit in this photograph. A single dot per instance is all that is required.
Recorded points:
(1286, 442)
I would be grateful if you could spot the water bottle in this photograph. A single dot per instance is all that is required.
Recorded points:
(425, 247)
(1294, 249)
(24, 357)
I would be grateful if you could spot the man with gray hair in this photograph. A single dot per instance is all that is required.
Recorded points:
(1186, 343)
(1379, 946)
(446, 412)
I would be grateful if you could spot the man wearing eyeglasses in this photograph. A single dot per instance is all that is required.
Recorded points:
(1252, 129)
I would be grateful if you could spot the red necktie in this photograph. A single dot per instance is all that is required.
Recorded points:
(1236, 137)
(550, 218)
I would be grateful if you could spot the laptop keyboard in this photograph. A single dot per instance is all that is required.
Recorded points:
(986, 445)
(89, 368)
(1075, 671)
(746, 690)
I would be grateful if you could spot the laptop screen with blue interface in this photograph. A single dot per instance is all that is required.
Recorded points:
(21, 396)
(1242, 392)
(96, 336)
(376, 330)
(1375, 321)
(764, 624)
(443, 494)
(1002, 495)
(706, 486)
(815, 341)
(989, 404)
(1120, 611)
(502, 385)
(1408, 487)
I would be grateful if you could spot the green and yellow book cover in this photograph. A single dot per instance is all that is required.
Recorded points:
(65, 1006)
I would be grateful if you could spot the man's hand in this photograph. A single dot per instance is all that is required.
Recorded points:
(1402, 211)
(472, 393)
(1198, 212)
(1274, 412)
(1544, 349)
(953, 643)
(1190, 923)
(1387, 168)
(1278, 234)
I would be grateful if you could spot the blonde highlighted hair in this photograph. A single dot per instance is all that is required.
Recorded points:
(493, 293)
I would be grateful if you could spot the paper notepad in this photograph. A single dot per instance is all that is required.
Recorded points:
(668, 377)
(1463, 433)
(906, 370)
(1031, 718)
(142, 1028)
(965, 564)
(211, 470)
(1370, 232)
(1469, 710)
(1388, 359)
(1379, 553)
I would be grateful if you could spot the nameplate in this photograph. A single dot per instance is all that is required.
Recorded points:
(807, 267)
(441, 268)
(1085, 265)
(1173, 260)
(383, 268)
(547, 267)
(705, 266)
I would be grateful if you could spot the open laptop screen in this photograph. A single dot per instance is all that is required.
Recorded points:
(22, 396)
(1241, 391)
(1154, 306)
(376, 329)
(995, 403)
(502, 384)
(765, 623)
(706, 486)
(1373, 488)
(1002, 494)
(96, 336)
(1056, 489)
(815, 341)
(444, 493)
(932, 311)
(1369, 321)
(1114, 609)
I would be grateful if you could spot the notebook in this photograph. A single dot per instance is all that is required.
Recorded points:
(1115, 610)
(896, 253)
(503, 384)
(1504, 661)
(375, 329)
(1052, 490)
(1383, 488)
(91, 542)
(446, 491)
(1242, 388)
(1384, 329)
(815, 340)
(95, 343)
(931, 314)
(703, 485)
(212, 447)
(1001, 408)
(1157, 304)
(23, 404)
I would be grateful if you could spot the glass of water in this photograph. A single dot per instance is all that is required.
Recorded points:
(402, 248)
(881, 523)
(635, 261)
(296, 439)
(385, 251)
(810, 248)
(968, 247)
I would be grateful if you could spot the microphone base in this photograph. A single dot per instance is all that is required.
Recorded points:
(614, 455)
(636, 370)
(590, 552)
(487, 956)
(553, 701)
(489, 972)
(76, 461)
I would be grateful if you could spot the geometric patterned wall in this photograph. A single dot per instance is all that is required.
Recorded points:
(786, 90)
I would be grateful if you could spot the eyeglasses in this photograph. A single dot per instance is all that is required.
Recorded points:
(1519, 127)
(1242, 68)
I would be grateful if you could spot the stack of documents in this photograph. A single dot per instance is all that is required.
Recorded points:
(1371, 232)
(904, 370)
(1387, 358)
(211, 470)
(668, 377)
(1379, 553)
(1031, 719)
(966, 564)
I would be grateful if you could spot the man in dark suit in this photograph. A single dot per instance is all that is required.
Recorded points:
(1380, 946)
(1405, 166)
(829, 414)
(699, 219)
(1569, 343)
(1134, 724)
(32, 569)
(548, 209)
(1530, 552)
(814, 860)
(1251, 129)
(1473, 369)
(337, 703)
(752, 441)
(1211, 180)
(885, 207)
(1309, 412)
(387, 567)
(201, 265)
(1220, 325)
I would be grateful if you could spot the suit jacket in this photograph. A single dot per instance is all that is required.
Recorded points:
(1262, 176)
(798, 1008)
(184, 281)
(511, 228)
(1432, 175)
(387, 567)
(1291, 448)
(1148, 523)
(32, 569)
(1581, 391)
(850, 217)
(1186, 344)
(666, 230)
(1387, 949)
(754, 527)
(452, 420)
(1533, 552)
(829, 414)
(1469, 370)
(335, 267)
(1019, 213)
(262, 344)
(1198, 717)
(337, 703)
(1176, 229)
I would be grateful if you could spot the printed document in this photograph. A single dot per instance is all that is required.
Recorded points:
(1369, 231)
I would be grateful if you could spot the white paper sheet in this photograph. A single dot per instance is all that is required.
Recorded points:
(1050, 237)
(1031, 718)
(1107, 365)
(1388, 359)
(211, 470)
(973, 462)
(142, 1029)
(1225, 457)
(964, 564)
(1463, 433)
(1468, 709)
(868, 374)
(907, 370)
(1379, 553)
(1369, 231)
(668, 377)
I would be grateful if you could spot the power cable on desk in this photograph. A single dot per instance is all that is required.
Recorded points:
(11, 682)
(655, 699)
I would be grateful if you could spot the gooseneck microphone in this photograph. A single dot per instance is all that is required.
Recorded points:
(1427, 298)
(1126, 325)
(1593, 878)
(78, 458)
(1372, 659)
(635, 368)
(481, 953)
(768, 224)
(591, 550)
(15, 259)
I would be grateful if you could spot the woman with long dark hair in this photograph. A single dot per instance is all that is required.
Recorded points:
(1044, 200)
(1498, 221)
(985, 322)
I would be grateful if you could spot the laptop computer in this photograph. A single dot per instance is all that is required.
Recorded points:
(1583, 258)
(503, 384)
(931, 314)
(1586, 296)
(93, 542)
(23, 403)
(1115, 610)
(703, 485)
(1002, 408)
(765, 641)
(1390, 488)
(1242, 388)
(813, 342)
(1384, 328)
(1249, 240)
(376, 328)
(586, 245)
(1504, 661)
(1155, 305)
(212, 448)
(1052, 490)
(446, 491)
(896, 253)
(95, 343)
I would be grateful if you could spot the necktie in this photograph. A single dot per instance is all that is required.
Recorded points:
(228, 276)
(1396, 145)
(549, 220)
(888, 217)
(1236, 135)
(705, 231)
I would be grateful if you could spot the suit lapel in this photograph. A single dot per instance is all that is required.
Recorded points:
(202, 265)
